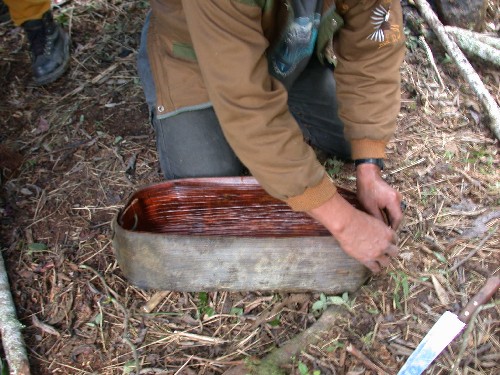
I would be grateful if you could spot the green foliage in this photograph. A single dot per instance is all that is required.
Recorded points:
(449, 155)
(63, 19)
(402, 286)
(238, 311)
(276, 321)
(411, 42)
(304, 370)
(320, 305)
(128, 367)
(483, 159)
(333, 166)
(4, 369)
(428, 192)
(334, 346)
(203, 305)
(37, 247)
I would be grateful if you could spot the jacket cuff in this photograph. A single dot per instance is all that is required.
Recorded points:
(368, 148)
(314, 196)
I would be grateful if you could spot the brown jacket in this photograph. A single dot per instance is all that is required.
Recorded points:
(213, 53)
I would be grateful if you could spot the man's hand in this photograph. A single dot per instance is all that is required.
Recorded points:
(360, 235)
(376, 196)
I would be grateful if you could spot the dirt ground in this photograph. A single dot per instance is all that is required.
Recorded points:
(72, 152)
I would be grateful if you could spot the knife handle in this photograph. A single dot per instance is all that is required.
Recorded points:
(484, 294)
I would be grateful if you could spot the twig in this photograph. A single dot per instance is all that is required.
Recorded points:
(154, 301)
(10, 328)
(125, 336)
(463, 65)
(430, 56)
(473, 252)
(363, 358)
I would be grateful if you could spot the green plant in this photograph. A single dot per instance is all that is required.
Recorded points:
(4, 369)
(320, 305)
(402, 286)
(276, 321)
(333, 166)
(428, 192)
(334, 346)
(203, 305)
(304, 370)
(449, 155)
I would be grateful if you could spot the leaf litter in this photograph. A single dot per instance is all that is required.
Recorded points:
(81, 316)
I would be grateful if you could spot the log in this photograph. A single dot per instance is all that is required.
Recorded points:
(10, 328)
(472, 44)
(492, 41)
(274, 362)
(465, 68)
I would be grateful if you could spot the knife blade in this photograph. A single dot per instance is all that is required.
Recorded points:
(445, 330)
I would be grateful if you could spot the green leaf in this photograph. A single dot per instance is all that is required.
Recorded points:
(303, 368)
(440, 257)
(236, 311)
(275, 322)
(98, 319)
(128, 367)
(336, 300)
(208, 311)
(36, 246)
(335, 345)
(316, 372)
(203, 297)
(406, 287)
(318, 305)
(4, 370)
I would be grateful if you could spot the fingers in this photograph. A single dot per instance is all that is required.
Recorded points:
(392, 251)
(383, 260)
(395, 215)
(373, 266)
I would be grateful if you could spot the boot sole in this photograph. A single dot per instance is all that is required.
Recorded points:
(49, 78)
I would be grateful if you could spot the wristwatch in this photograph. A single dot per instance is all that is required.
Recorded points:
(377, 162)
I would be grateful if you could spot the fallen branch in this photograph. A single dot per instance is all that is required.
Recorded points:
(463, 65)
(492, 41)
(364, 359)
(279, 357)
(10, 328)
(471, 44)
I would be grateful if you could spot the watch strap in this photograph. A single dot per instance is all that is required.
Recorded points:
(376, 161)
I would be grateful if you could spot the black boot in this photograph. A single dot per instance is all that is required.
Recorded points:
(49, 48)
(4, 12)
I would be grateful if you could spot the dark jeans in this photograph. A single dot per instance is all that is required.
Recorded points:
(191, 144)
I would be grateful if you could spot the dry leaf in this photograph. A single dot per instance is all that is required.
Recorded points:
(441, 293)
(44, 327)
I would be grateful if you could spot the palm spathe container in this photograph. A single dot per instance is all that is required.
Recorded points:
(207, 234)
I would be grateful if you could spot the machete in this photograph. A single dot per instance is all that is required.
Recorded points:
(445, 329)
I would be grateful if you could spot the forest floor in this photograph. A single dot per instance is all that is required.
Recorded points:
(66, 156)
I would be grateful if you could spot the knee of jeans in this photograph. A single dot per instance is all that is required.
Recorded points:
(176, 169)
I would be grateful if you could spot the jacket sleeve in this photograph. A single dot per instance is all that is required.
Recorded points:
(369, 50)
(251, 105)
